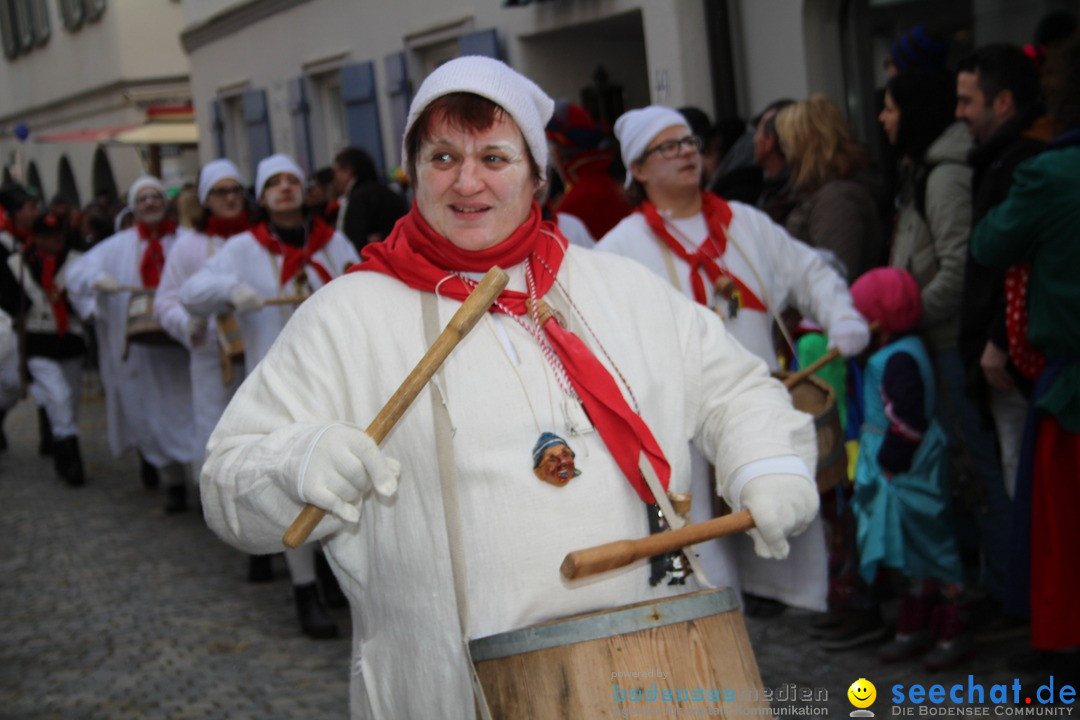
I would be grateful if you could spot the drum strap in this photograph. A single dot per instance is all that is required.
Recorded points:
(675, 521)
(444, 450)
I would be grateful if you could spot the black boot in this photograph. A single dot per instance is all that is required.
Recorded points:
(328, 584)
(148, 473)
(175, 499)
(68, 460)
(260, 568)
(45, 444)
(315, 622)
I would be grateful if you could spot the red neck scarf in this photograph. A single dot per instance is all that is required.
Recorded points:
(54, 294)
(153, 257)
(717, 218)
(220, 227)
(422, 259)
(295, 258)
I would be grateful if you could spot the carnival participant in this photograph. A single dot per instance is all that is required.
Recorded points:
(288, 254)
(693, 239)
(611, 387)
(18, 208)
(147, 387)
(53, 345)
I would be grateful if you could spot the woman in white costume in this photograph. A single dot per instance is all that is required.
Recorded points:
(607, 388)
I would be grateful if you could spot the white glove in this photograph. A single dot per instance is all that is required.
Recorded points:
(851, 336)
(782, 506)
(343, 464)
(245, 298)
(106, 284)
(196, 330)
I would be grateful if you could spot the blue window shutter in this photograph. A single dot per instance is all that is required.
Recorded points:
(484, 42)
(217, 127)
(300, 112)
(362, 110)
(397, 75)
(257, 121)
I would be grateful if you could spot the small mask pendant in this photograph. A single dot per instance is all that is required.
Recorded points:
(727, 291)
(553, 460)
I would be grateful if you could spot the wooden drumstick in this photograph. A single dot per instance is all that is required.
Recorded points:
(470, 312)
(613, 555)
(797, 377)
(287, 300)
(128, 288)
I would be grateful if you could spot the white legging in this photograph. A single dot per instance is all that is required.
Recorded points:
(56, 386)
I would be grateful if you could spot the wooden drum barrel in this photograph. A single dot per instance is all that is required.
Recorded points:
(689, 652)
(814, 396)
(142, 327)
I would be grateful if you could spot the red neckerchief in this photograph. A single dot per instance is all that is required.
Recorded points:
(295, 258)
(717, 218)
(424, 260)
(54, 294)
(220, 227)
(153, 257)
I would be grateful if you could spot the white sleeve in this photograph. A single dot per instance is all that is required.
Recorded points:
(207, 291)
(167, 308)
(88, 269)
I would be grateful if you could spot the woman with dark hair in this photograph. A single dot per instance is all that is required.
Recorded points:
(1034, 229)
(933, 224)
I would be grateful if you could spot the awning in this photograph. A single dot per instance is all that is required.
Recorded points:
(160, 133)
(98, 134)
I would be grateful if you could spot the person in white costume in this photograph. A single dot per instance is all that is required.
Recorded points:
(284, 255)
(474, 149)
(694, 239)
(148, 392)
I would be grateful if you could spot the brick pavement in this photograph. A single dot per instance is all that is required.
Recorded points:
(112, 609)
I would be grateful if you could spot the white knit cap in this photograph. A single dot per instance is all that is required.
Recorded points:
(144, 182)
(214, 172)
(271, 166)
(637, 128)
(519, 96)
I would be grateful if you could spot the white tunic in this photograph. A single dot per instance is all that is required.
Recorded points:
(210, 394)
(148, 395)
(347, 349)
(244, 260)
(782, 272)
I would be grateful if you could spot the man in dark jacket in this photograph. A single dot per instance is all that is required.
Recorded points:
(998, 98)
(368, 208)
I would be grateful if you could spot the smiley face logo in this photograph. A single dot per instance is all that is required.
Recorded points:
(862, 693)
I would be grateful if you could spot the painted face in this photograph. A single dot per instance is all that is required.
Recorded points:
(226, 199)
(282, 193)
(556, 465)
(972, 107)
(474, 188)
(149, 207)
(889, 117)
(678, 174)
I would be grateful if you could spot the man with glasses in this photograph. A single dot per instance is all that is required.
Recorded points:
(147, 387)
(733, 258)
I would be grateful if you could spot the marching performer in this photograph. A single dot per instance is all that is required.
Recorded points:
(693, 239)
(148, 390)
(54, 346)
(616, 392)
(287, 255)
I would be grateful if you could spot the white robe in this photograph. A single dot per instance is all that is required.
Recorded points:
(148, 395)
(209, 393)
(347, 349)
(781, 271)
(244, 260)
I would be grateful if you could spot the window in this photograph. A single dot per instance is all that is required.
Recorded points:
(94, 9)
(7, 28)
(236, 138)
(72, 12)
(39, 18)
(23, 24)
(331, 111)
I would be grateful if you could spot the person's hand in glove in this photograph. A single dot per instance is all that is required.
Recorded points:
(782, 506)
(343, 464)
(245, 298)
(850, 336)
(106, 284)
(196, 330)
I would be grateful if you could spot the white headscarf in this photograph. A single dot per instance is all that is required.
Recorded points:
(214, 172)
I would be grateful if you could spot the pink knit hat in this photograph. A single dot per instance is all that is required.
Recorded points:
(890, 297)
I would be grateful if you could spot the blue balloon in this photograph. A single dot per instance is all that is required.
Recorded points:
(22, 131)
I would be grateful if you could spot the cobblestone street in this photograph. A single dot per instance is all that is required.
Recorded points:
(111, 609)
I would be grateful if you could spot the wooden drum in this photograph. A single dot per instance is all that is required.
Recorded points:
(230, 345)
(689, 652)
(814, 396)
(142, 327)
